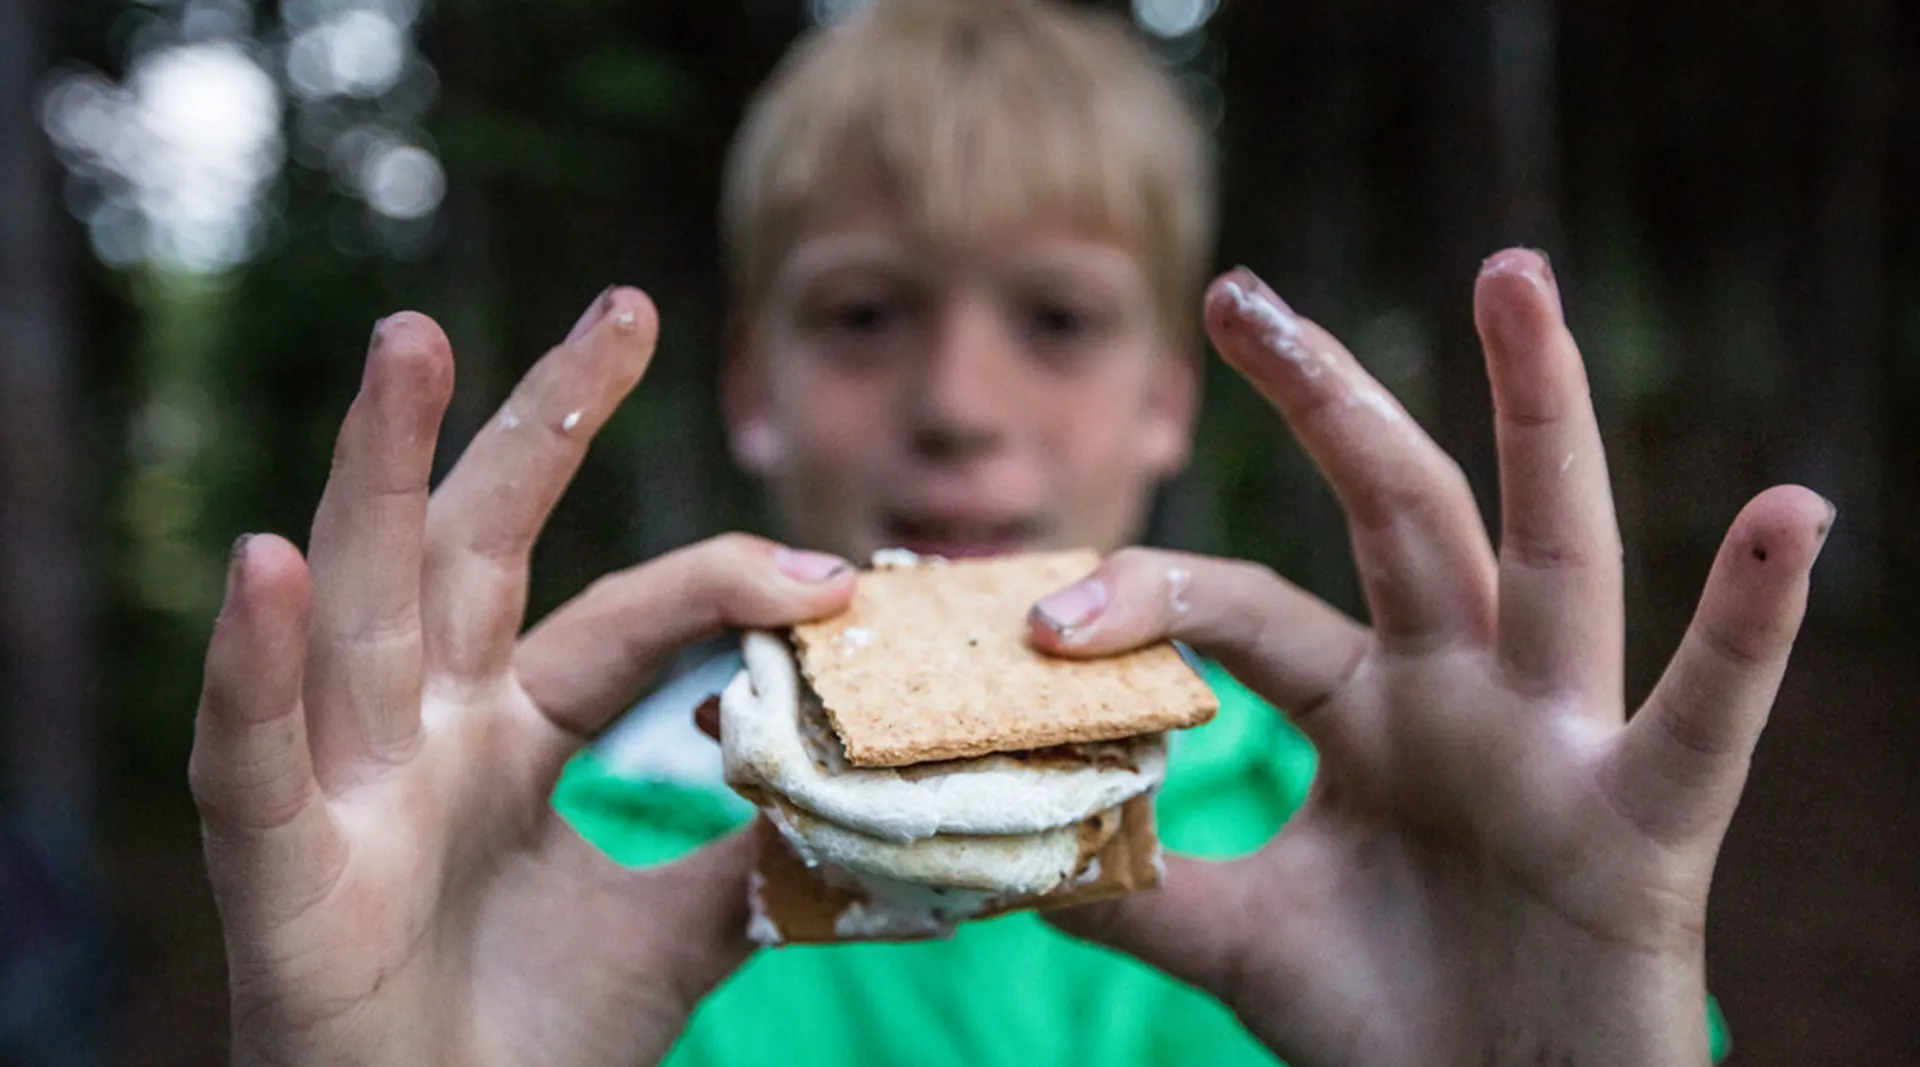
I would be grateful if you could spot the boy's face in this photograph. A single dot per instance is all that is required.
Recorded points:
(1008, 393)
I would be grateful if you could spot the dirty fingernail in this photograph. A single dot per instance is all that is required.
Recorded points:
(1268, 317)
(592, 316)
(1071, 608)
(804, 566)
(236, 568)
(1551, 281)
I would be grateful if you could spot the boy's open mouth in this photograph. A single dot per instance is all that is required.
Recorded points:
(960, 537)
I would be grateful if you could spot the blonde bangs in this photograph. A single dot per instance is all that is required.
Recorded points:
(974, 119)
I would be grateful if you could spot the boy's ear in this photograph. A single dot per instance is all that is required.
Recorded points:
(1173, 405)
(753, 438)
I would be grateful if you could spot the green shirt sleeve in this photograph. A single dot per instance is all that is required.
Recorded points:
(1010, 990)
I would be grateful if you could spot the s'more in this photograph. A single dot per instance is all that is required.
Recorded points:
(918, 763)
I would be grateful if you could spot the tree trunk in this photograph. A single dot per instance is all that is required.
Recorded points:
(49, 929)
(45, 590)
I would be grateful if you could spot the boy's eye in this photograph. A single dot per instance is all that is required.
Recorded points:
(1064, 332)
(857, 317)
(1058, 322)
(862, 317)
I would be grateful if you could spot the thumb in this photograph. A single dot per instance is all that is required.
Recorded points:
(1177, 927)
(692, 914)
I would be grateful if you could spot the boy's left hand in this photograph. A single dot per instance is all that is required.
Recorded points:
(1496, 865)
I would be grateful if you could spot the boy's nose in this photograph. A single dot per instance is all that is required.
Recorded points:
(967, 391)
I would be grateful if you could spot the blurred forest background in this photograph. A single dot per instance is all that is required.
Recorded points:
(205, 204)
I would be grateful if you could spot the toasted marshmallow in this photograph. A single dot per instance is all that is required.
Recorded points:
(765, 746)
(1018, 865)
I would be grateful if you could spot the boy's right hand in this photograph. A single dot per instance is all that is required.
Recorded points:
(376, 742)
(1495, 865)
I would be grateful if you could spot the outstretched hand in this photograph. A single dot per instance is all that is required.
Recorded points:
(376, 741)
(1496, 865)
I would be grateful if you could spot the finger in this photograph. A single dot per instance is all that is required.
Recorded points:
(1561, 616)
(363, 688)
(1284, 643)
(1423, 556)
(586, 662)
(250, 769)
(482, 523)
(1177, 926)
(1681, 762)
(698, 915)
(682, 927)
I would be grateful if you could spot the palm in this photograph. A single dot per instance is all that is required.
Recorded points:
(1400, 873)
(1495, 865)
(376, 742)
(522, 913)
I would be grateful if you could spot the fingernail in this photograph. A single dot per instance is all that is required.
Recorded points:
(1259, 285)
(236, 567)
(1262, 311)
(804, 566)
(373, 346)
(1540, 275)
(1833, 515)
(1546, 262)
(592, 316)
(1071, 608)
(1552, 281)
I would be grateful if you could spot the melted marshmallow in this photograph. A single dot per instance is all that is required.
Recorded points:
(764, 745)
(1021, 864)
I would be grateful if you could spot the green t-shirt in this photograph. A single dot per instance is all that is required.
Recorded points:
(1010, 990)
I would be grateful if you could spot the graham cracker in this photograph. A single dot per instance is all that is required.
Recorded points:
(798, 906)
(932, 663)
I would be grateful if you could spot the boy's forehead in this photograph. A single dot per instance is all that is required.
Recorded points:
(872, 232)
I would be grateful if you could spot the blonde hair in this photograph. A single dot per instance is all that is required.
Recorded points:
(973, 116)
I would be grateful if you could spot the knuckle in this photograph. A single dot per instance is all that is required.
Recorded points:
(1249, 587)
(1424, 489)
(1134, 559)
(1398, 499)
(226, 804)
(728, 565)
(1693, 732)
(1320, 408)
(1249, 574)
(1448, 472)
(736, 548)
(202, 784)
(1537, 412)
(1545, 553)
(1738, 648)
(710, 577)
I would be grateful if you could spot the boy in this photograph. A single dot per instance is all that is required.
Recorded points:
(966, 241)
(967, 236)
